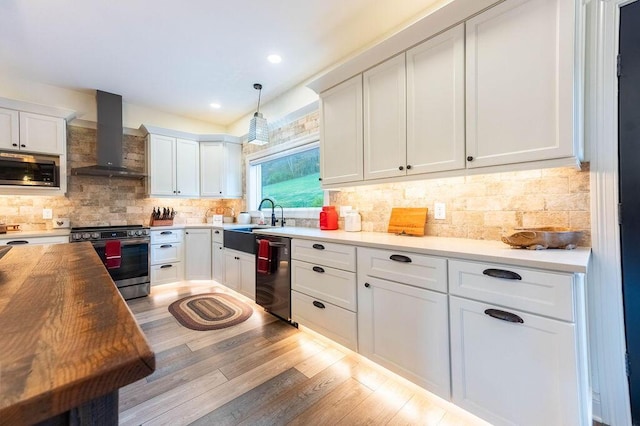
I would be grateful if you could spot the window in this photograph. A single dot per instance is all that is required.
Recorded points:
(289, 175)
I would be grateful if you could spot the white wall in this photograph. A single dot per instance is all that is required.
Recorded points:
(292, 100)
(83, 102)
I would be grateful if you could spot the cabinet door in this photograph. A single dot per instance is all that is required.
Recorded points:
(218, 262)
(231, 269)
(435, 104)
(519, 80)
(41, 133)
(211, 169)
(510, 372)
(162, 165)
(247, 265)
(9, 129)
(385, 120)
(233, 170)
(197, 254)
(187, 168)
(405, 329)
(341, 132)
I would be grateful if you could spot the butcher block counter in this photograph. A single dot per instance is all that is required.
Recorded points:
(68, 341)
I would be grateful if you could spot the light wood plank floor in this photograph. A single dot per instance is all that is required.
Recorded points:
(264, 372)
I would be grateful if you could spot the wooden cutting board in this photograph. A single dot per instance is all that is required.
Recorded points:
(408, 221)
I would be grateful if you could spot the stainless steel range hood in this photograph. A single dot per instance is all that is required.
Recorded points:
(109, 141)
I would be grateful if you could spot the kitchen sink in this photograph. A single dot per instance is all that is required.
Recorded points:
(241, 239)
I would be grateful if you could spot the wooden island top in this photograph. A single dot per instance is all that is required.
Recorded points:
(67, 337)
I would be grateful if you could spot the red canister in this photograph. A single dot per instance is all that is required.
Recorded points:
(328, 218)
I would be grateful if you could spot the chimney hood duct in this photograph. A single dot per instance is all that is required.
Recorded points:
(109, 141)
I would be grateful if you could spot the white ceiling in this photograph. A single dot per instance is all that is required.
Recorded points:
(179, 57)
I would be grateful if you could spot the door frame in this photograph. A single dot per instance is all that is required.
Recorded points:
(607, 332)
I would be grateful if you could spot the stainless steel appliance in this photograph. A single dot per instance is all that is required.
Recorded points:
(29, 170)
(131, 272)
(273, 275)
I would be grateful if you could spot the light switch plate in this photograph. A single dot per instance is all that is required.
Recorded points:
(47, 213)
(439, 211)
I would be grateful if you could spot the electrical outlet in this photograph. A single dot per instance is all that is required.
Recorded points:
(439, 211)
(47, 213)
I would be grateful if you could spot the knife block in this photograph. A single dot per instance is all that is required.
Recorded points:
(158, 222)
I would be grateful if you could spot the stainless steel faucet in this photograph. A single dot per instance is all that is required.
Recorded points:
(273, 209)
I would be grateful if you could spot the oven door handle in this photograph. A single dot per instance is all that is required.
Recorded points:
(123, 242)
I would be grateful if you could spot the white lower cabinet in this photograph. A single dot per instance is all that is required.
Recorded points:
(198, 254)
(240, 272)
(405, 329)
(217, 255)
(166, 256)
(518, 344)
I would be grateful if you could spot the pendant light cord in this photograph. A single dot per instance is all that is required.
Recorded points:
(258, 87)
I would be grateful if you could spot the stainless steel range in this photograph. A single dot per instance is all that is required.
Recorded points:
(125, 252)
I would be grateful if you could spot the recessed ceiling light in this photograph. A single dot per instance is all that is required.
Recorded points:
(274, 59)
(215, 105)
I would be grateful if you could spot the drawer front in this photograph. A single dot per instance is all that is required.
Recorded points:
(217, 236)
(331, 321)
(334, 255)
(166, 236)
(330, 284)
(166, 273)
(34, 240)
(166, 253)
(539, 292)
(407, 268)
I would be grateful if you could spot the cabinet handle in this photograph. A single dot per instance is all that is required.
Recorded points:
(166, 246)
(166, 233)
(219, 248)
(14, 144)
(367, 285)
(23, 145)
(504, 315)
(165, 266)
(401, 168)
(318, 246)
(318, 304)
(216, 232)
(174, 192)
(400, 258)
(187, 233)
(17, 242)
(320, 179)
(470, 158)
(408, 166)
(501, 273)
(318, 269)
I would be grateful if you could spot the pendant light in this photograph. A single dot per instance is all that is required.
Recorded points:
(258, 128)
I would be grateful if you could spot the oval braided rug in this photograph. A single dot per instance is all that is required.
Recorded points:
(210, 311)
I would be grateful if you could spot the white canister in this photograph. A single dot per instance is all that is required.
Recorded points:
(244, 218)
(352, 221)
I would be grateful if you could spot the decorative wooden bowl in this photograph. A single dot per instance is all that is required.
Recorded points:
(543, 238)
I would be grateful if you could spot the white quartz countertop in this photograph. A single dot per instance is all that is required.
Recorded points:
(576, 260)
(203, 226)
(10, 235)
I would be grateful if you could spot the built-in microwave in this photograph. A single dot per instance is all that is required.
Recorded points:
(29, 169)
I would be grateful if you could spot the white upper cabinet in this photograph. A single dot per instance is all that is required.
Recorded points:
(29, 132)
(435, 104)
(341, 133)
(174, 167)
(519, 79)
(385, 117)
(220, 169)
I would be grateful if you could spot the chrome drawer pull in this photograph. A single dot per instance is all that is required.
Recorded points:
(166, 246)
(166, 266)
(400, 258)
(318, 304)
(318, 246)
(166, 233)
(501, 273)
(318, 269)
(504, 316)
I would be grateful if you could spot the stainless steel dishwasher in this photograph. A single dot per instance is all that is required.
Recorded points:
(273, 275)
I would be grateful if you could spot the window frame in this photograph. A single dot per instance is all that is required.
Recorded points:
(253, 176)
